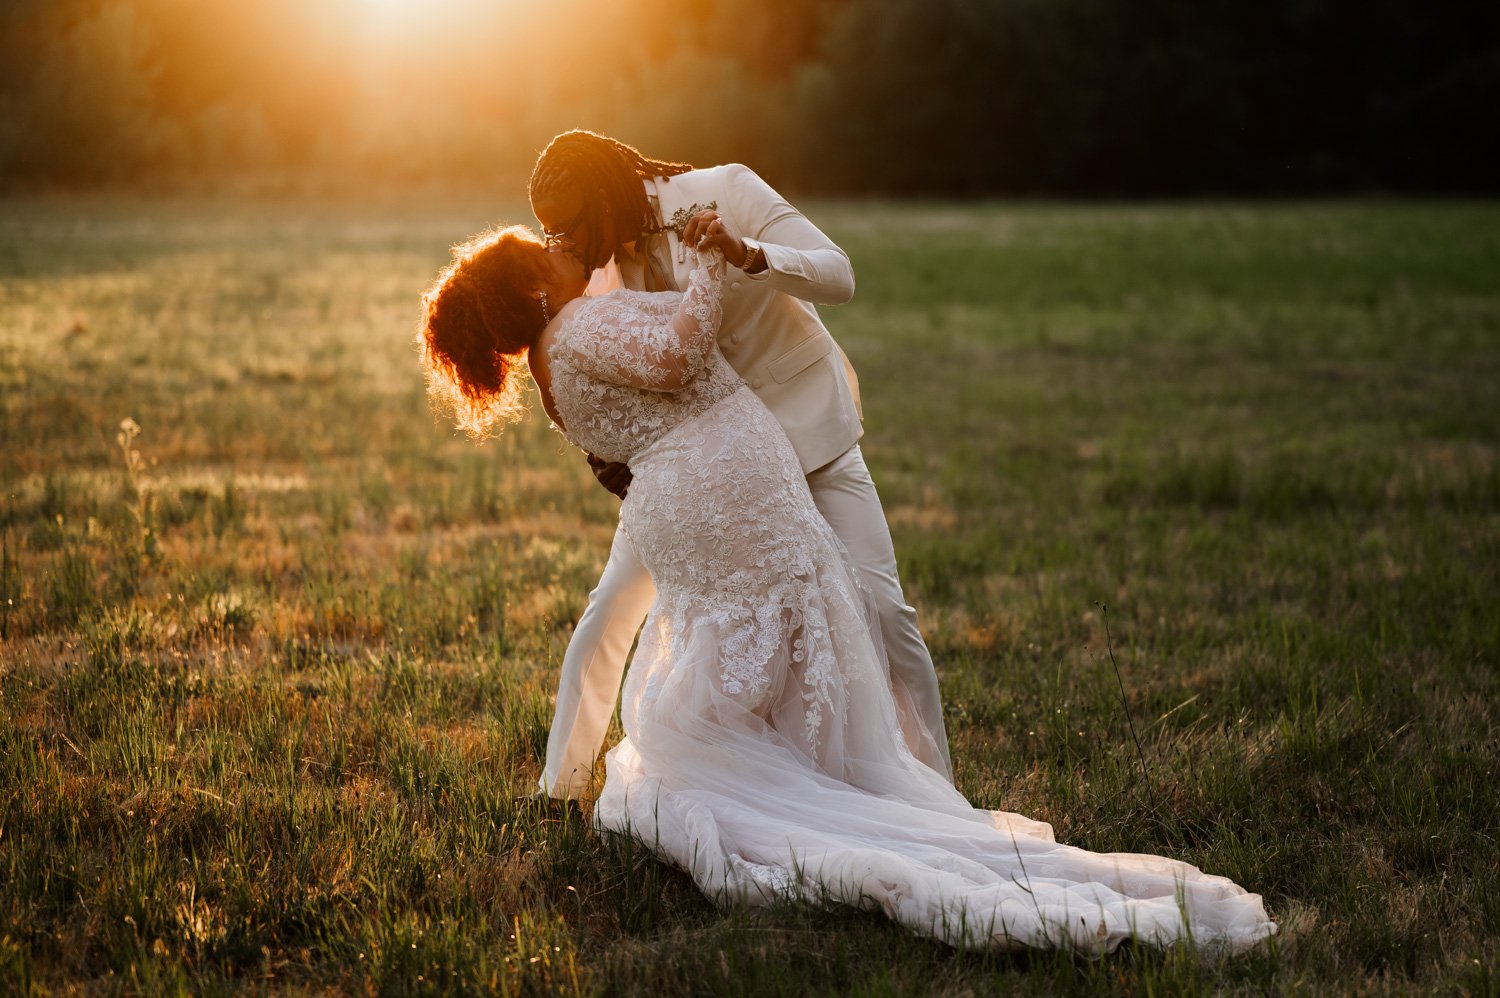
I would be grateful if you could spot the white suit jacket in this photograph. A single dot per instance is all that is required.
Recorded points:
(771, 333)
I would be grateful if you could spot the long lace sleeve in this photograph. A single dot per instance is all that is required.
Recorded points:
(643, 353)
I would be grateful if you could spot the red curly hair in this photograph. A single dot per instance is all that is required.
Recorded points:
(479, 319)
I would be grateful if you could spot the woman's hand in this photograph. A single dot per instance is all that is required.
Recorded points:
(708, 230)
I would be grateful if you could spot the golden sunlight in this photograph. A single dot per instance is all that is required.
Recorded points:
(414, 22)
(409, 6)
(402, 14)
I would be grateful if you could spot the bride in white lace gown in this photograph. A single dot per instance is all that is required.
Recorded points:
(765, 751)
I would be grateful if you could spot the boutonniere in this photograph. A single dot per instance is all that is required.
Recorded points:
(679, 220)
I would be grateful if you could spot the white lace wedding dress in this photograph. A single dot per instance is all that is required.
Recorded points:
(766, 750)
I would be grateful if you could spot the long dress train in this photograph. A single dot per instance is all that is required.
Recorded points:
(767, 748)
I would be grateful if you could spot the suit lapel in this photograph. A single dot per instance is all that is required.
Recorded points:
(673, 196)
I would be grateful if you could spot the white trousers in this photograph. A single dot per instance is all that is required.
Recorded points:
(595, 660)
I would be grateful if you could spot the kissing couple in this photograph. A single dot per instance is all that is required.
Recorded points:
(784, 734)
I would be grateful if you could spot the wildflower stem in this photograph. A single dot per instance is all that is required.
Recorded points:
(1109, 645)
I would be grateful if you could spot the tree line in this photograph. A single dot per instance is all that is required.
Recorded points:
(898, 97)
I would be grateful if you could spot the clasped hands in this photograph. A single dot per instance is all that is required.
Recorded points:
(708, 230)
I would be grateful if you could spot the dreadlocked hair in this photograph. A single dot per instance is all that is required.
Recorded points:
(608, 173)
(479, 319)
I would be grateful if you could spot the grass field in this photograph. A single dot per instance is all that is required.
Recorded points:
(270, 685)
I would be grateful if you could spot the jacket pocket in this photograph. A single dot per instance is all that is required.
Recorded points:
(800, 357)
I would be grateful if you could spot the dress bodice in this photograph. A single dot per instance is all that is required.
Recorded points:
(629, 366)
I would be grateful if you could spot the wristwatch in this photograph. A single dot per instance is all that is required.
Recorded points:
(753, 254)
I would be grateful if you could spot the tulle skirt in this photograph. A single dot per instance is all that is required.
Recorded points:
(768, 751)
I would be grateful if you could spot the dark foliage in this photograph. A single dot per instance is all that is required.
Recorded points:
(940, 97)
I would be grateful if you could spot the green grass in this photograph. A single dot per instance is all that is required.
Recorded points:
(264, 706)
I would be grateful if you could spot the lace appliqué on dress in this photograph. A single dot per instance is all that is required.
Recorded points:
(630, 365)
(718, 510)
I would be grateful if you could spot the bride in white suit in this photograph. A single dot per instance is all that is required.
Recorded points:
(764, 749)
(628, 219)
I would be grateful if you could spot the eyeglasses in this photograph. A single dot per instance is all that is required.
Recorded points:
(560, 242)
